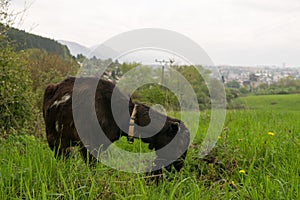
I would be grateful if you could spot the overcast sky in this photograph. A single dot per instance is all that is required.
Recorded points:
(235, 32)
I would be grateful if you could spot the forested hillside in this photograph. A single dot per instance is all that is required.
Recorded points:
(23, 40)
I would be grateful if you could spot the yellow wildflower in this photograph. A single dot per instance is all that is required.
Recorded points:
(271, 133)
(242, 171)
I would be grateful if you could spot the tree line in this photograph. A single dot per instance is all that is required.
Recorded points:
(22, 40)
(286, 85)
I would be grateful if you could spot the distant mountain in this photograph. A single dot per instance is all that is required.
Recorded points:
(76, 48)
(99, 51)
(103, 52)
(23, 40)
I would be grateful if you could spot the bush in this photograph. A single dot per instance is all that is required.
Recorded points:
(155, 94)
(15, 92)
(45, 68)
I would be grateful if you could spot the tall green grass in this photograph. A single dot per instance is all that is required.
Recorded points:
(262, 139)
(280, 103)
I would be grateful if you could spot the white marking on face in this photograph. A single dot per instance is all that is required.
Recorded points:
(64, 99)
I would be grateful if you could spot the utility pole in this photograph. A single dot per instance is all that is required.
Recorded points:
(164, 63)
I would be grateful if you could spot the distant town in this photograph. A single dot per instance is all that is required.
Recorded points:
(257, 75)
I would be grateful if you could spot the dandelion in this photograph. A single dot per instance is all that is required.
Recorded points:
(271, 133)
(242, 171)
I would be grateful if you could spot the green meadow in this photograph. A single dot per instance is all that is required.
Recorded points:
(269, 103)
(257, 156)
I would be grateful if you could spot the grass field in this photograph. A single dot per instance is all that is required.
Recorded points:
(257, 157)
(280, 103)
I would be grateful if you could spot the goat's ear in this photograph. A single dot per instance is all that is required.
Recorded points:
(130, 99)
(175, 126)
(50, 91)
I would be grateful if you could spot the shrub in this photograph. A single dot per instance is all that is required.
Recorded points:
(15, 92)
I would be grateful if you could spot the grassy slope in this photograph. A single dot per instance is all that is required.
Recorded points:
(280, 103)
(271, 163)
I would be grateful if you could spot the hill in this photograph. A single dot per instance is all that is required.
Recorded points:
(99, 51)
(23, 40)
(76, 48)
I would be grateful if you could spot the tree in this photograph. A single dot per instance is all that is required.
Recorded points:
(233, 84)
(125, 67)
(5, 18)
(15, 91)
(47, 68)
(15, 83)
(81, 58)
(197, 82)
